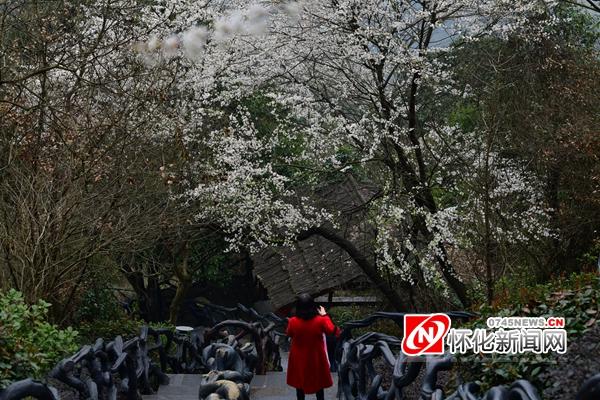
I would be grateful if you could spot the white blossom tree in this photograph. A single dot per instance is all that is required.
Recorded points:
(359, 87)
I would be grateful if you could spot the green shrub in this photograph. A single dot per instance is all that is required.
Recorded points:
(29, 345)
(576, 297)
(100, 315)
(124, 326)
(98, 303)
(343, 314)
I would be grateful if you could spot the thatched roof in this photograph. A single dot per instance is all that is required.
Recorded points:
(316, 265)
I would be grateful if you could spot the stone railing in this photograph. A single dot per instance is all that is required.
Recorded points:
(242, 343)
(227, 355)
(359, 379)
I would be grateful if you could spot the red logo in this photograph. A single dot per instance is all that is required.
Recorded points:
(424, 333)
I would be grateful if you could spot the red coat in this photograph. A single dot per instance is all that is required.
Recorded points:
(308, 364)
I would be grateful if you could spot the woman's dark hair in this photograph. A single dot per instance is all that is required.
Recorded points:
(305, 306)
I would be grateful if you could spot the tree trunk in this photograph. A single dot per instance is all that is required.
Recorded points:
(489, 271)
(446, 267)
(185, 282)
(368, 268)
(148, 296)
(552, 197)
(451, 277)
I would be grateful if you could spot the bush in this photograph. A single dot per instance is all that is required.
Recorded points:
(577, 298)
(126, 327)
(343, 314)
(100, 315)
(29, 345)
(98, 303)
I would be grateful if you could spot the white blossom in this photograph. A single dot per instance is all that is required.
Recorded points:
(343, 74)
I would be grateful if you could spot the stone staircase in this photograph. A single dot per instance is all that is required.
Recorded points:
(271, 386)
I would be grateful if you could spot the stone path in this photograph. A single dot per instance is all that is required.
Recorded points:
(273, 387)
(263, 387)
(180, 387)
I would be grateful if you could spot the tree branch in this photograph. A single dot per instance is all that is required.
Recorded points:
(359, 258)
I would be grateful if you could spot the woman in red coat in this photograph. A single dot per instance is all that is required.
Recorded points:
(308, 364)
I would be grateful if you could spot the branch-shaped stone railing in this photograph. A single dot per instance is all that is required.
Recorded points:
(129, 360)
(29, 388)
(232, 351)
(228, 355)
(270, 327)
(359, 380)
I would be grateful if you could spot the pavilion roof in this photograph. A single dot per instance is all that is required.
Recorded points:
(315, 265)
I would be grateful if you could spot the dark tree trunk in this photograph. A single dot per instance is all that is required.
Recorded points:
(368, 268)
(149, 296)
(446, 267)
(552, 190)
(185, 282)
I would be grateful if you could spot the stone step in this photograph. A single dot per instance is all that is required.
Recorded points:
(271, 386)
(274, 388)
(180, 387)
(263, 387)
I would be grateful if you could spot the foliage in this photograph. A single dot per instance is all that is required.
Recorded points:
(101, 315)
(591, 257)
(473, 124)
(579, 30)
(360, 99)
(208, 262)
(121, 325)
(98, 303)
(29, 344)
(343, 314)
(74, 184)
(542, 100)
(575, 297)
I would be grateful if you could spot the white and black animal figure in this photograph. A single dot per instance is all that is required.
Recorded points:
(223, 385)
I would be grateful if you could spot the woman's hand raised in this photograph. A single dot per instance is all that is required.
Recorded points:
(321, 310)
